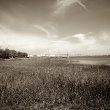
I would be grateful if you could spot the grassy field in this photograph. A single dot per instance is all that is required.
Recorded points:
(45, 84)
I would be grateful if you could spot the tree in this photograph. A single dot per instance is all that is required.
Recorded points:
(22, 54)
(14, 54)
(1, 53)
(6, 53)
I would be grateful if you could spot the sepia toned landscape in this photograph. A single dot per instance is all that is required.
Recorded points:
(54, 54)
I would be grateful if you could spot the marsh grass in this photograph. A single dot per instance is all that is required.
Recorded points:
(42, 84)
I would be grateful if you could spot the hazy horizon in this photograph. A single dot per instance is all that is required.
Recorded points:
(55, 26)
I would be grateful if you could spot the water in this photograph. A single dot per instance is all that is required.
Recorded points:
(91, 60)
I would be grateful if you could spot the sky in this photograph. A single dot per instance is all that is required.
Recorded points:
(55, 26)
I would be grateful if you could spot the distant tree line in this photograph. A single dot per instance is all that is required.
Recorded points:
(7, 53)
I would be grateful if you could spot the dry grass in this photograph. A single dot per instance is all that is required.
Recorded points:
(39, 84)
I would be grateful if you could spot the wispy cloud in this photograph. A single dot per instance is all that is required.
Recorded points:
(41, 28)
(22, 42)
(62, 5)
(3, 28)
(85, 39)
(49, 29)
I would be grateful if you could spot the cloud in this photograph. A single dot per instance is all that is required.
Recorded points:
(78, 43)
(62, 5)
(43, 30)
(80, 36)
(103, 38)
(49, 29)
(51, 26)
(86, 39)
(86, 44)
(22, 42)
(94, 41)
(82, 41)
(3, 28)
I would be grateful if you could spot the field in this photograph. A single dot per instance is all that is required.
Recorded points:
(52, 84)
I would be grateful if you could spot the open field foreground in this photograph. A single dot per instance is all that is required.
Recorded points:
(39, 84)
